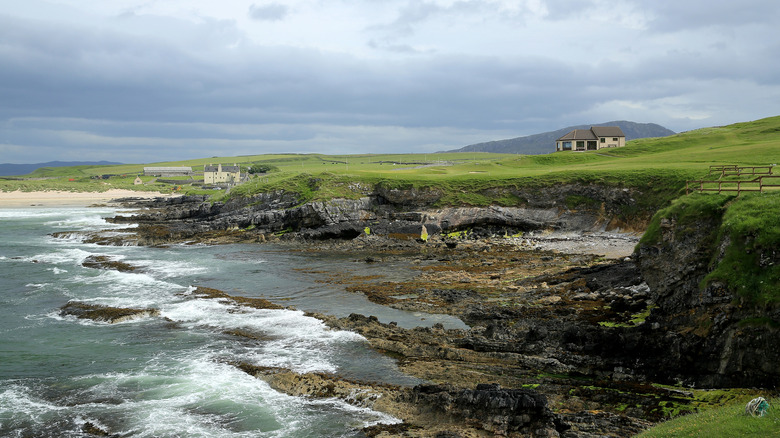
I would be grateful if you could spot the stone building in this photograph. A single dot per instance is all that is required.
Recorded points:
(220, 174)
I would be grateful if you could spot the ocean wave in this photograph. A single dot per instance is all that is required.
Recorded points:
(295, 341)
(171, 268)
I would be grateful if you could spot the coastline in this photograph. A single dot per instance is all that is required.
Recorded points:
(57, 198)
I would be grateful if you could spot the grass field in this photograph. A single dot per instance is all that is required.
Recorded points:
(751, 143)
(673, 159)
(722, 422)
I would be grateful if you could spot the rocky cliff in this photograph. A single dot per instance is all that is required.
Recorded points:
(711, 328)
(590, 336)
(704, 329)
(397, 213)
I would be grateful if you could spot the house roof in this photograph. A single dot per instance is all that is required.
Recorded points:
(579, 134)
(607, 131)
(593, 133)
(228, 169)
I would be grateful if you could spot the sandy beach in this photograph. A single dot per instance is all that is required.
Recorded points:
(55, 198)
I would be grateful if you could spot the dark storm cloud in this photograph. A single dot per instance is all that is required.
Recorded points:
(139, 79)
(139, 83)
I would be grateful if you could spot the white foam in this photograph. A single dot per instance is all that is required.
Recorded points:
(18, 406)
(194, 397)
(41, 213)
(171, 268)
(124, 289)
(375, 417)
(37, 285)
(61, 256)
(302, 343)
(86, 222)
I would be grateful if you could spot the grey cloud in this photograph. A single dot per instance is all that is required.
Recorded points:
(269, 12)
(675, 15)
(185, 95)
(564, 9)
(415, 13)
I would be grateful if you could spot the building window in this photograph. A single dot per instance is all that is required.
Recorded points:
(603, 139)
(592, 145)
(566, 145)
(580, 145)
(614, 138)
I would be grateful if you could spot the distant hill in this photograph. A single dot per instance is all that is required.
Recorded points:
(544, 143)
(7, 169)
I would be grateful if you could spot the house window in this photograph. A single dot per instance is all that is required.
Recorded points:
(566, 145)
(580, 145)
(592, 145)
(603, 139)
(614, 138)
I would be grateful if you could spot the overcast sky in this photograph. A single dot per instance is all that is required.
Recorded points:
(141, 81)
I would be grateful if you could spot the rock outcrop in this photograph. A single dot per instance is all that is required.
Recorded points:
(106, 262)
(394, 213)
(705, 333)
(537, 320)
(111, 315)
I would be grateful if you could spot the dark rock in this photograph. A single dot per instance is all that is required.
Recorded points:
(497, 410)
(107, 314)
(394, 213)
(257, 303)
(703, 333)
(92, 429)
(107, 262)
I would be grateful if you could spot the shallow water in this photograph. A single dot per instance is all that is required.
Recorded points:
(169, 376)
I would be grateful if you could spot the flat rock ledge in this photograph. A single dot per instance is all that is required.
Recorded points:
(107, 262)
(428, 410)
(100, 313)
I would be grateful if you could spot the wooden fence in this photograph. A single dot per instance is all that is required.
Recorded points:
(760, 184)
(734, 170)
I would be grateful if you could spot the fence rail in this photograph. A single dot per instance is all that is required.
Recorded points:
(759, 184)
(720, 168)
(734, 170)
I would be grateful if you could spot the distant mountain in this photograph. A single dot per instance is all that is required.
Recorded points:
(23, 169)
(544, 143)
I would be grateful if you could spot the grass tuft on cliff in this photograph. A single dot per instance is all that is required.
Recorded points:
(750, 264)
(686, 212)
(744, 240)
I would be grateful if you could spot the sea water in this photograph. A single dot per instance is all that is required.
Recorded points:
(171, 375)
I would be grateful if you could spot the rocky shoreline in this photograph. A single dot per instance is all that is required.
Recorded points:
(562, 340)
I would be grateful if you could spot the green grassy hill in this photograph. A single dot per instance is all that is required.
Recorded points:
(664, 163)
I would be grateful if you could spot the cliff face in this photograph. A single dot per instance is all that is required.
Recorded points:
(703, 329)
(707, 331)
(398, 213)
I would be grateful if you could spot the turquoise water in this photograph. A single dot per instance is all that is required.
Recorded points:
(169, 376)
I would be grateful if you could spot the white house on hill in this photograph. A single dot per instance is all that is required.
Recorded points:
(593, 139)
(220, 174)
